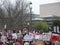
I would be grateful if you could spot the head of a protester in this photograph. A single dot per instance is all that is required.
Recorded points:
(0, 34)
(19, 40)
(14, 31)
(18, 31)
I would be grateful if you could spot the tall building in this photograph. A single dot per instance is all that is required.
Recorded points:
(50, 12)
(50, 9)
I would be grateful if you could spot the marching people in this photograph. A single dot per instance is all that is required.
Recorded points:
(16, 38)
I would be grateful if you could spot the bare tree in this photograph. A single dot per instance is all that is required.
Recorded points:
(16, 13)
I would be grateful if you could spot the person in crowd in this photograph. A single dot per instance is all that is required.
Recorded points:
(48, 43)
(18, 42)
(1, 43)
(3, 38)
(26, 43)
(57, 42)
(14, 36)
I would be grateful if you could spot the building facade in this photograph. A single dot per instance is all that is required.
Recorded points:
(50, 12)
(50, 9)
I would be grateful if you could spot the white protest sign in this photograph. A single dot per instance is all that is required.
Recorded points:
(41, 37)
(28, 37)
(46, 37)
(37, 36)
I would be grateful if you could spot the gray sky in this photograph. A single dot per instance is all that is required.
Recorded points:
(36, 3)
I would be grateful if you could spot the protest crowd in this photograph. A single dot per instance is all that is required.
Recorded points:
(12, 37)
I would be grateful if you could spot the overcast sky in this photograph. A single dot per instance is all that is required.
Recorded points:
(36, 3)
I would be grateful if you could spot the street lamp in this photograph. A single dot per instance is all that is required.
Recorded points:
(30, 24)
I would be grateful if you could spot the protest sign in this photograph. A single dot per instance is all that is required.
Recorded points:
(37, 37)
(46, 37)
(54, 37)
(28, 37)
(41, 37)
